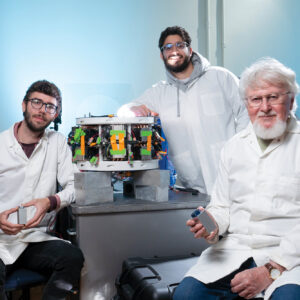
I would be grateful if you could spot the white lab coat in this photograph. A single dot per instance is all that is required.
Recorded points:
(23, 179)
(210, 113)
(256, 203)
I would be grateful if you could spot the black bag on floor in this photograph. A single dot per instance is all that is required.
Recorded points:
(152, 278)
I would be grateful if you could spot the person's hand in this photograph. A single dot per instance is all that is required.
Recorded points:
(199, 230)
(8, 227)
(42, 205)
(250, 282)
(143, 111)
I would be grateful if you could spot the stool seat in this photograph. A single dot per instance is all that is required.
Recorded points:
(23, 278)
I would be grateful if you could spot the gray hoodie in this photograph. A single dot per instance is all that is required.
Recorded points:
(200, 65)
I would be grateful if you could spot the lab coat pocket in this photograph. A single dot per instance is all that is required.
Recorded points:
(212, 104)
(287, 194)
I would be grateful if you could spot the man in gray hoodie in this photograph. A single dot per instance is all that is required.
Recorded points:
(199, 108)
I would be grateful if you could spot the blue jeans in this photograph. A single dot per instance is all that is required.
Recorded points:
(60, 261)
(286, 292)
(192, 289)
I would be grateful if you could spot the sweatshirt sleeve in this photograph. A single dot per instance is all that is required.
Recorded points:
(231, 92)
(150, 98)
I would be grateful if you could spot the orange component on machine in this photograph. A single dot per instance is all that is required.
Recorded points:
(149, 137)
(113, 140)
(82, 145)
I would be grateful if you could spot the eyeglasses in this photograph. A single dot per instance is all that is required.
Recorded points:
(272, 99)
(178, 45)
(38, 104)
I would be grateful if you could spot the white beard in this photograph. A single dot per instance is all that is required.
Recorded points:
(275, 131)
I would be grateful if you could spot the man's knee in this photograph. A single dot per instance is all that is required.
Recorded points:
(76, 256)
(71, 256)
(189, 289)
(286, 292)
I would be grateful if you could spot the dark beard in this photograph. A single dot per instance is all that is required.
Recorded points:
(178, 68)
(31, 126)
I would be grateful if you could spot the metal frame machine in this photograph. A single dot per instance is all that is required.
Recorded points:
(125, 148)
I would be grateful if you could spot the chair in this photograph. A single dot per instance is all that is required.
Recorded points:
(23, 279)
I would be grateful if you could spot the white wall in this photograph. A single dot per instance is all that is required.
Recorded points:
(257, 28)
(104, 53)
(100, 53)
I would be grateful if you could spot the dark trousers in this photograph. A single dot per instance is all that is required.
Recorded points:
(60, 261)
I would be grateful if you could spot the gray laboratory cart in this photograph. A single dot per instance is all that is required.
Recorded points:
(108, 233)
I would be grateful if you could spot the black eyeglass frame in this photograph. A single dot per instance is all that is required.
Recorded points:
(177, 46)
(42, 103)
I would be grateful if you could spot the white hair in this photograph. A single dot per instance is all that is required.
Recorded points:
(271, 71)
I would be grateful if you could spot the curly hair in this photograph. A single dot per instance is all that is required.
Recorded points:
(172, 31)
(45, 87)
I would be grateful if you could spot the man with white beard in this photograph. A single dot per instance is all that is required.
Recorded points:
(255, 202)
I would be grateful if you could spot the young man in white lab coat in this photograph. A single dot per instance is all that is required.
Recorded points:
(199, 108)
(256, 199)
(33, 160)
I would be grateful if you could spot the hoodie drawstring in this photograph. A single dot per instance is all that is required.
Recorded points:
(178, 103)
